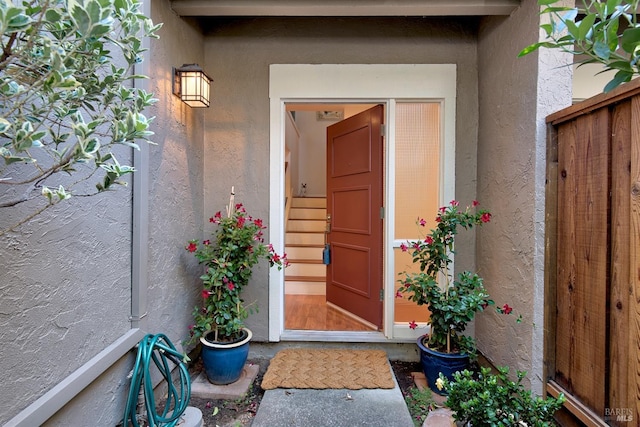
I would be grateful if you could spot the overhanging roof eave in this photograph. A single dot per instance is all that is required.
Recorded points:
(343, 8)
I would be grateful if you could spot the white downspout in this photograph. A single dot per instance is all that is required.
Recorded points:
(140, 219)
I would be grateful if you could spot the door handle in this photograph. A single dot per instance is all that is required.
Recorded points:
(328, 228)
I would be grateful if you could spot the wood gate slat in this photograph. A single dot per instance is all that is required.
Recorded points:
(566, 275)
(620, 285)
(582, 268)
(634, 270)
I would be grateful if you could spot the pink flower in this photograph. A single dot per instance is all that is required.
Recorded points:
(413, 324)
(428, 240)
(438, 219)
(454, 203)
(206, 242)
(506, 309)
(475, 203)
(398, 294)
(422, 222)
(486, 217)
(416, 245)
(403, 247)
(192, 247)
(231, 286)
(206, 294)
(240, 222)
(216, 218)
(258, 222)
(443, 209)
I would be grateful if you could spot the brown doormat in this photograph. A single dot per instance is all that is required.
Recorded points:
(328, 368)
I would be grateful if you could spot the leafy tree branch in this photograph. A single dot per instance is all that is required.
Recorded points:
(67, 98)
(604, 32)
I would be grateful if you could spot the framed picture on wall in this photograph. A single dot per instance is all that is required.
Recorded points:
(330, 115)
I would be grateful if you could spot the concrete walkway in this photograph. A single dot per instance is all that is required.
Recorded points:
(333, 408)
(325, 408)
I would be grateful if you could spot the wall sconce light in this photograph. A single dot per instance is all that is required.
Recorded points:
(192, 85)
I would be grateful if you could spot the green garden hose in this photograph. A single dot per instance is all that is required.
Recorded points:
(159, 349)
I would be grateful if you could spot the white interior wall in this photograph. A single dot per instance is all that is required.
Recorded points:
(312, 154)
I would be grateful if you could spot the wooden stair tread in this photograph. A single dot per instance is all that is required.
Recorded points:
(305, 261)
(305, 278)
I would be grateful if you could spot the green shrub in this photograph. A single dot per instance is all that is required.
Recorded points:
(495, 400)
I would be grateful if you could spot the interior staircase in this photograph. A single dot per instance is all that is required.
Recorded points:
(304, 242)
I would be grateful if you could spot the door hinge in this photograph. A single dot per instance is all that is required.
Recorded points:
(382, 212)
(383, 130)
(381, 294)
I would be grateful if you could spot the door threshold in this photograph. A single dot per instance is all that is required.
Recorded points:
(353, 316)
(334, 336)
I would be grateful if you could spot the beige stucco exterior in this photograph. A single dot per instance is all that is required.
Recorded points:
(500, 140)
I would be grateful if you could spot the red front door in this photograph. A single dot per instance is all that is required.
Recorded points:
(354, 203)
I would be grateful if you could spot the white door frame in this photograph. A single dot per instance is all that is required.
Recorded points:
(354, 83)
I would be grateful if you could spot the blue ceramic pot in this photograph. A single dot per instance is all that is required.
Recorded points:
(223, 362)
(433, 363)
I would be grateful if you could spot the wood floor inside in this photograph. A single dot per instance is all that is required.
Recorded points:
(312, 313)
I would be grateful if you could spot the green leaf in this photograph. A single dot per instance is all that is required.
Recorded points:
(585, 26)
(80, 18)
(630, 39)
(573, 29)
(15, 159)
(527, 50)
(601, 50)
(619, 65)
(620, 77)
(52, 15)
(4, 125)
(611, 34)
(611, 5)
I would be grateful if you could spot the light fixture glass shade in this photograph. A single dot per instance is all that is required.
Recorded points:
(192, 85)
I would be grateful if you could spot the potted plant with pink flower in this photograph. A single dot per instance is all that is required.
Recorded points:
(452, 301)
(236, 246)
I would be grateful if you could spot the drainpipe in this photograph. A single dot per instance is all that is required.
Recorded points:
(140, 219)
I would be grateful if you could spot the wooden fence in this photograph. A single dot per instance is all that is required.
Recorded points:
(592, 283)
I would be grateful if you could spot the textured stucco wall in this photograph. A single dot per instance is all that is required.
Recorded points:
(64, 292)
(65, 296)
(515, 96)
(65, 285)
(175, 181)
(238, 54)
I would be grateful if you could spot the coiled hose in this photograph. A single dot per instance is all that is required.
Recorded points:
(159, 349)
